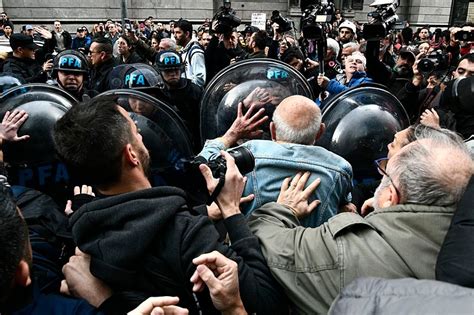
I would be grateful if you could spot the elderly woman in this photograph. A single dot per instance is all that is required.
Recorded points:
(354, 75)
(126, 53)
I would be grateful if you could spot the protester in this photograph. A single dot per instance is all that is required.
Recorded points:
(296, 126)
(192, 52)
(102, 61)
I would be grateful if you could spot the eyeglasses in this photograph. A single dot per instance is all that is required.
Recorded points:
(90, 52)
(381, 167)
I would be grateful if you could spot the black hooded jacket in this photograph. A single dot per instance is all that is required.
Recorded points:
(145, 241)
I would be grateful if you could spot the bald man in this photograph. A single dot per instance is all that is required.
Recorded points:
(295, 127)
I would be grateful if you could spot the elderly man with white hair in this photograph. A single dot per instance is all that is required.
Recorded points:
(354, 75)
(413, 205)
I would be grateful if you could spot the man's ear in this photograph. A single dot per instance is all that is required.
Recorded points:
(320, 132)
(394, 198)
(131, 155)
(273, 131)
(22, 274)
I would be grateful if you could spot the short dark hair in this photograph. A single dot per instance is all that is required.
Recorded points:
(185, 26)
(260, 39)
(290, 53)
(90, 139)
(13, 241)
(104, 44)
(469, 57)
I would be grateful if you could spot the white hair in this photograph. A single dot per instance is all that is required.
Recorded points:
(171, 43)
(305, 135)
(425, 171)
(334, 46)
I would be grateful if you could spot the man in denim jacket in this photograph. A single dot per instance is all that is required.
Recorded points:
(296, 126)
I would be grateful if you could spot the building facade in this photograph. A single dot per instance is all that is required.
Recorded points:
(416, 12)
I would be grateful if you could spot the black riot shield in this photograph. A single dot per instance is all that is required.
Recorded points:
(33, 163)
(360, 123)
(164, 135)
(264, 82)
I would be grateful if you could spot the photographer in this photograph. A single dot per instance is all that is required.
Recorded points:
(222, 49)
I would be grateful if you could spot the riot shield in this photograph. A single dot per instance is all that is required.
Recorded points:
(33, 163)
(264, 82)
(360, 123)
(164, 135)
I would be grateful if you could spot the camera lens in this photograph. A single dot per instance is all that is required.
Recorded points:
(244, 159)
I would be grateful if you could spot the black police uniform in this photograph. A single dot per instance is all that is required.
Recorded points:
(98, 79)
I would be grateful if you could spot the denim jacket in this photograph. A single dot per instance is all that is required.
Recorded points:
(276, 161)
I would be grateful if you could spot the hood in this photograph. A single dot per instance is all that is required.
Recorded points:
(117, 231)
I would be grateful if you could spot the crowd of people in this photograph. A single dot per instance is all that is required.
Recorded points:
(288, 236)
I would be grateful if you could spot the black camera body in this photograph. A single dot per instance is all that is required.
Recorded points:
(314, 16)
(227, 19)
(283, 23)
(464, 36)
(244, 160)
(435, 61)
(381, 21)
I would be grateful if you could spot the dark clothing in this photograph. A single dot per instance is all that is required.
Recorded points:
(383, 74)
(99, 75)
(145, 51)
(456, 258)
(81, 42)
(28, 69)
(185, 100)
(133, 58)
(145, 241)
(258, 54)
(26, 301)
(66, 38)
(218, 57)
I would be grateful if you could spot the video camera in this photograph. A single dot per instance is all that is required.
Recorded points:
(283, 23)
(244, 160)
(227, 19)
(381, 20)
(313, 16)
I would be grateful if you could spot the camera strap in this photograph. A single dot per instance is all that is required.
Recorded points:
(218, 189)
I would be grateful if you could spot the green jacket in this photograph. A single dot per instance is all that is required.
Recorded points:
(314, 264)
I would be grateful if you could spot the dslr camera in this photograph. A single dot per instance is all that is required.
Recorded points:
(244, 160)
(464, 36)
(227, 19)
(435, 61)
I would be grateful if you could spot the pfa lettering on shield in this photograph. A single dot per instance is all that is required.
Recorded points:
(276, 74)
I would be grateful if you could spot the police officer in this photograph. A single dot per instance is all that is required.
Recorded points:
(71, 69)
(180, 92)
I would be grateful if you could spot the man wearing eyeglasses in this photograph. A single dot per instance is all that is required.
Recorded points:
(102, 61)
(414, 205)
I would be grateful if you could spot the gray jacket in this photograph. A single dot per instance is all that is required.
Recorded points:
(403, 296)
(314, 264)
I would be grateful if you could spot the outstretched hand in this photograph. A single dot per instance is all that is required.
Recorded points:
(245, 126)
(12, 121)
(296, 197)
(430, 118)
